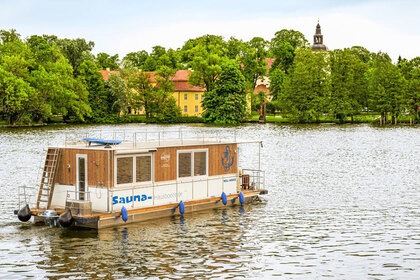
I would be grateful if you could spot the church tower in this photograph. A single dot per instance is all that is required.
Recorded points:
(318, 40)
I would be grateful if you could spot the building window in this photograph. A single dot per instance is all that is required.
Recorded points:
(185, 96)
(185, 108)
(196, 96)
(196, 108)
(134, 169)
(192, 163)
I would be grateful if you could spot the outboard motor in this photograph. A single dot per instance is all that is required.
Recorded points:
(24, 214)
(66, 219)
(51, 217)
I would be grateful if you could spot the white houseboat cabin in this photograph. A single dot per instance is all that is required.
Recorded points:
(99, 183)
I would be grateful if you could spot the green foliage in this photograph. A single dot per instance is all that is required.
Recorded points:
(411, 72)
(283, 48)
(386, 86)
(252, 58)
(45, 77)
(205, 55)
(348, 83)
(226, 103)
(278, 80)
(75, 50)
(306, 92)
(117, 94)
(106, 61)
(95, 85)
(135, 59)
(37, 81)
(157, 100)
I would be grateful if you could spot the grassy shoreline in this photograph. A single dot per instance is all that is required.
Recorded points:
(370, 118)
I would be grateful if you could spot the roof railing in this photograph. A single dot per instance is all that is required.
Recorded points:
(160, 136)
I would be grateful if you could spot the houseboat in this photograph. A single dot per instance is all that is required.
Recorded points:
(100, 182)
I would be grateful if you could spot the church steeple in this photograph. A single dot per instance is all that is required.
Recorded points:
(318, 40)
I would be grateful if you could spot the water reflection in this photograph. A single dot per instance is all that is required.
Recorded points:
(342, 204)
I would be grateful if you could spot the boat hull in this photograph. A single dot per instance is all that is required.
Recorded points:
(107, 220)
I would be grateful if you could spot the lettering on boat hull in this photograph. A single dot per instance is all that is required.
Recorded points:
(128, 199)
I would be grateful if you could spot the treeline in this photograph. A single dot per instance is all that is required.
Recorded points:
(43, 77)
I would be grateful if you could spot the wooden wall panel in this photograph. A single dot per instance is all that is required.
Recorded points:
(165, 164)
(223, 159)
(219, 157)
(99, 165)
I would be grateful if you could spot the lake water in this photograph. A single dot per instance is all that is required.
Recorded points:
(343, 203)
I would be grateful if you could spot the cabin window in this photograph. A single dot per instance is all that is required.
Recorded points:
(134, 169)
(124, 170)
(200, 163)
(143, 168)
(192, 163)
(184, 165)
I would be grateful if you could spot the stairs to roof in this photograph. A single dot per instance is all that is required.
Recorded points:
(46, 186)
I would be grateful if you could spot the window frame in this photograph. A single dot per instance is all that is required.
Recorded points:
(192, 170)
(134, 169)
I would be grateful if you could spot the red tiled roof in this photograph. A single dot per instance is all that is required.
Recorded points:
(263, 88)
(180, 80)
(106, 73)
(269, 62)
(185, 86)
(181, 75)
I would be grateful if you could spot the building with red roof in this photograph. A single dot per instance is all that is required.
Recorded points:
(188, 97)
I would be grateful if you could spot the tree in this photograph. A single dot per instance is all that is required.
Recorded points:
(253, 60)
(226, 103)
(386, 87)
(166, 109)
(411, 71)
(141, 91)
(104, 61)
(204, 55)
(135, 59)
(283, 48)
(307, 91)
(98, 99)
(15, 94)
(117, 94)
(75, 50)
(347, 78)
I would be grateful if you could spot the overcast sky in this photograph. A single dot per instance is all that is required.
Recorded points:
(120, 27)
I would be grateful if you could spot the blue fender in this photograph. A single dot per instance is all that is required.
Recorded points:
(224, 198)
(124, 214)
(241, 198)
(181, 207)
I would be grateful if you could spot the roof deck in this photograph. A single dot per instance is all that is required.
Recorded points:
(144, 140)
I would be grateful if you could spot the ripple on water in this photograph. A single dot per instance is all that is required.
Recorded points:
(342, 204)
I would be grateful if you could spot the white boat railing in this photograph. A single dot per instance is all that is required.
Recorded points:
(25, 195)
(256, 178)
(79, 203)
(160, 137)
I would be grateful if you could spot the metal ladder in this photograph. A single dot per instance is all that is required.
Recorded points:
(48, 178)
